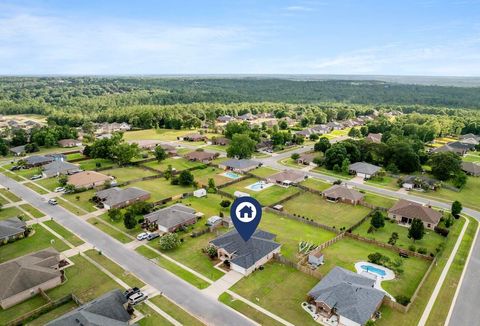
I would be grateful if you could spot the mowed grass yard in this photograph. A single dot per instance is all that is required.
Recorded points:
(155, 134)
(385, 182)
(472, 157)
(263, 172)
(267, 196)
(315, 207)
(202, 176)
(10, 196)
(378, 200)
(177, 163)
(11, 212)
(346, 252)
(48, 183)
(39, 239)
(431, 240)
(83, 200)
(209, 205)
(290, 233)
(316, 184)
(160, 188)
(128, 173)
(280, 289)
(91, 164)
(67, 235)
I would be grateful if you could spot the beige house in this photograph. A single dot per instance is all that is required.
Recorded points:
(405, 211)
(339, 193)
(287, 178)
(24, 277)
(88, 179)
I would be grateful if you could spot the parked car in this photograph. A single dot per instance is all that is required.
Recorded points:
(52, 201)
(59, 189)
(15, 168)
(152, 236)
(142, 236)
(137, 298)
(131, 292)
(36, 176)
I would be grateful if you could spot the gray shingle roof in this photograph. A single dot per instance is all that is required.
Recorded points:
(240, 164)
(59, 167)
(11, 226)
(471, 167)
(107, 310)
(38, 159)
(246, 254)
(363, 167)
(18, 149)
(171, 216)
(114, 196)
(351, 294)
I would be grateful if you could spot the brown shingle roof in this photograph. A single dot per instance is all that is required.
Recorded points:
(411, 209)
(288, 175)
(338, 191)
(86, 178)
(200, 156)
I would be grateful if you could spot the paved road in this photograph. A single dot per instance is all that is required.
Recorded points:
(190, 298)
(465, 311)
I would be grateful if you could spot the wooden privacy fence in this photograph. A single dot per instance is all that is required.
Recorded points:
(299, 219)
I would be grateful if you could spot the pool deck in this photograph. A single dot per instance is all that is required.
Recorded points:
(389, 275)
(262, 183)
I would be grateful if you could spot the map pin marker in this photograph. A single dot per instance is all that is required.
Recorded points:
(246, 213)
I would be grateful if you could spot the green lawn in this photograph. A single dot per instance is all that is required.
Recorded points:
(219, 160)
(11, 212)
(202, 176)
(13, 176)
(263, 172)
(91, 164)
(316, 184)
(128, 173)
(160, 188)
(247, 310)
(336, 215)
(74, 156)
(67, 235)
(431, 240)
(172, 267)
(177, 163)
(290, 232)
(32, 210)
(472, 157)
(208, 205)
(267, 196)
(83, 200)
(280, 289)
(36, 188)
(41, 239)
(159, 134)
(323, 170)
(3, 201)
(152, 318)
(346, 252)
(28, 173)
(10, 196)
(53, 314)
(48, 183)
(68, 206)
(113, 268)
(468, 196)
(21, 309)
(291, 163)
(385, 182)
(120, 225)
(378, 200)
(216, 147)
(109, 230)
(175, 311)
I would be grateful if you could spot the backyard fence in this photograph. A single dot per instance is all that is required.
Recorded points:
(298, 266)
(281, 201)
(357, 224)
(303, 220)
(226, 184)
(313, 191)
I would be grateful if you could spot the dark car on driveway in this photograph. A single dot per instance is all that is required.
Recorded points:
(131, 292)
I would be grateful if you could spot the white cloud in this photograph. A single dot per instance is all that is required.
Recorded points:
(298, 8)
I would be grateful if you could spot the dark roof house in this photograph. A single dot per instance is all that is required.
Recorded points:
(405, 211)
(287, 177)
(170, 218)
(363, 169)
(471, 168)
(117, 197)
(201, 156)
(18, 150)
(240, 165)
(37, 160)
(56, 168)
(11, 228)
(343, 194)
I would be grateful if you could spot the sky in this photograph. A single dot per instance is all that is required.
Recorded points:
(367, 37)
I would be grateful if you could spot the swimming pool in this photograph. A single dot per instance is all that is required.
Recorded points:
(259, 185)
(231, 175)
(374, 270)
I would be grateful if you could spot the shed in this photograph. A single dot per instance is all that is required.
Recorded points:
(200, 193)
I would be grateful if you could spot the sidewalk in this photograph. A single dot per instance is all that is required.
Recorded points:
(223, 284)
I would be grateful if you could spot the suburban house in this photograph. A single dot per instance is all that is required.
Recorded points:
(405, 211)
(145, 143)
(455, 147)
(171, 218)
(214, 221)
(225, 118)
(18, 150)
(105, 128)
(471, 168)
(23, 277)
(264, 144)
(11, 228)
(245, 257)
(470, 139)
(88, 179)
(69, 143)
(305, 132)
(287, 178)
(222, 141)
(419, 182)
(194, 137)
(246, 116)
(374, 138)
(321, 129)
(363, 169)
(236, 165)
(340, 193)
(37, 160)
(348, 296)
(333, 125)
(201, 156)
(56, 168)
(118, 198)
(307, 158)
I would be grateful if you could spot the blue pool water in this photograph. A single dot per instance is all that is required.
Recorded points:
(231, 175)
(257, 186)
(374, 270)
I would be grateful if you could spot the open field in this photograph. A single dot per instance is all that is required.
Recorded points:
(267, 196)
(67, 235)
(160, 188)
(209, 205)
(128, 173)
(336, 215)
(38, 240)
(290, 233)
(177, 163)
(346, 252)
(172, 267)
(385, 182)
(157, 134)
(280, 289)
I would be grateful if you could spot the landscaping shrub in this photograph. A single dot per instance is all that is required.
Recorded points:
(412, 248)
(442, 231)
(422, 251)
(402, 299)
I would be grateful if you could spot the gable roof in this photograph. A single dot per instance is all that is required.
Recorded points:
(171, 216)
(18, 149)
(287, 175)
(11, 226)
(411, 209)
(114, 196)
(308, 157)
(29, 271)
(38, 159)
(339, 191)
(59, 167)
(246, 254)
(352, 295)
(363, 167)
(109, 309)
(200, 155)
(375, 138)
(66, 142)
(471, 167)
(413, 178)
(240, 164)
(87, 177)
